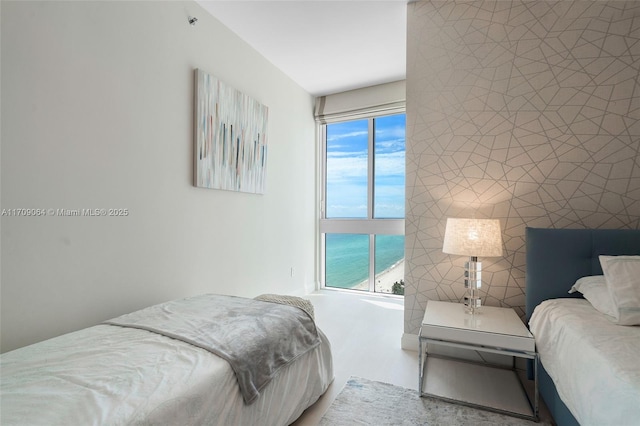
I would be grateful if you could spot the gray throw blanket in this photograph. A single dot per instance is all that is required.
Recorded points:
(257, 338)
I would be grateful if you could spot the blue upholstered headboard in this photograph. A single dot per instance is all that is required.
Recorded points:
(556, 258)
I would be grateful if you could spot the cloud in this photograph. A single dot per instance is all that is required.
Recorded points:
(346, 168)
(395, 132)
(342, 166)
(393, 145)
(339, 136)
(347, 211)
(390, 164)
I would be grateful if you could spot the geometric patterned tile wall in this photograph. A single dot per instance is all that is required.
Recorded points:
(523, 111)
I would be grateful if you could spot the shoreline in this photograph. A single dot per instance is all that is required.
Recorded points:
(385, 279)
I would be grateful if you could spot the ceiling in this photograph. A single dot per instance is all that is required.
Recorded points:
(324, 46)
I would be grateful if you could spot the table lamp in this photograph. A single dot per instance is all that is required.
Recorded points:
(474, 238)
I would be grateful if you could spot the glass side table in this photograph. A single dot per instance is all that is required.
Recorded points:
(489, 386)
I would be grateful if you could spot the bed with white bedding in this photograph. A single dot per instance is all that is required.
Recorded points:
(593, 361)
(586, 323)
(133, 374)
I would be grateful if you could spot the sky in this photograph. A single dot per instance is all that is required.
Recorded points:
(347, 154)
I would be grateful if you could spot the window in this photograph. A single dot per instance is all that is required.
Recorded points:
(362, 222)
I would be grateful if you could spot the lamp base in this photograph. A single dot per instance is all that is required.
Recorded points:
(472, 282)
(472, 304)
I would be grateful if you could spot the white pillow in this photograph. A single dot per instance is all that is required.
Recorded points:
(594, 289)
(622, 274)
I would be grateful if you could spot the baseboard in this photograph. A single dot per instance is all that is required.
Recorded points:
(409, 342)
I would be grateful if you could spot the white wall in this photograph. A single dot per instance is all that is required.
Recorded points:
(97, 112)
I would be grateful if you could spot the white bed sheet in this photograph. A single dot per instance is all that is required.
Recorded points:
(593, 362)
(118, 376)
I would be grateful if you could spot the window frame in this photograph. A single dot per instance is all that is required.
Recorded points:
(369, 225)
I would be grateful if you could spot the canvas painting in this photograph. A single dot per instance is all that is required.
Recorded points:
(231, 137)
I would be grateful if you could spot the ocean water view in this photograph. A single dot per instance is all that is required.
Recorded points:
(365, 181)
(347, 258)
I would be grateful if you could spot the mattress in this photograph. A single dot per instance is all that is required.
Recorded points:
(117, 376)
(593, 362)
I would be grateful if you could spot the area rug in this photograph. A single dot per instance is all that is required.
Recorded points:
(366, 402)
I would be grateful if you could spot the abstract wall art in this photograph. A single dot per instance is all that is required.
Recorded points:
(230, 137)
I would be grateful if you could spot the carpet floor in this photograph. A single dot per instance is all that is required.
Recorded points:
(366, 402)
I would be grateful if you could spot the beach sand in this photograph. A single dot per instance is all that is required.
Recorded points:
(385, 279)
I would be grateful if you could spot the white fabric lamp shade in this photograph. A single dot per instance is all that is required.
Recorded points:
(473, 237)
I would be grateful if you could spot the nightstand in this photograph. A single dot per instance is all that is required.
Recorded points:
(483, 385)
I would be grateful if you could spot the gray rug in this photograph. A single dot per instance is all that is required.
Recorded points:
(365, 402)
